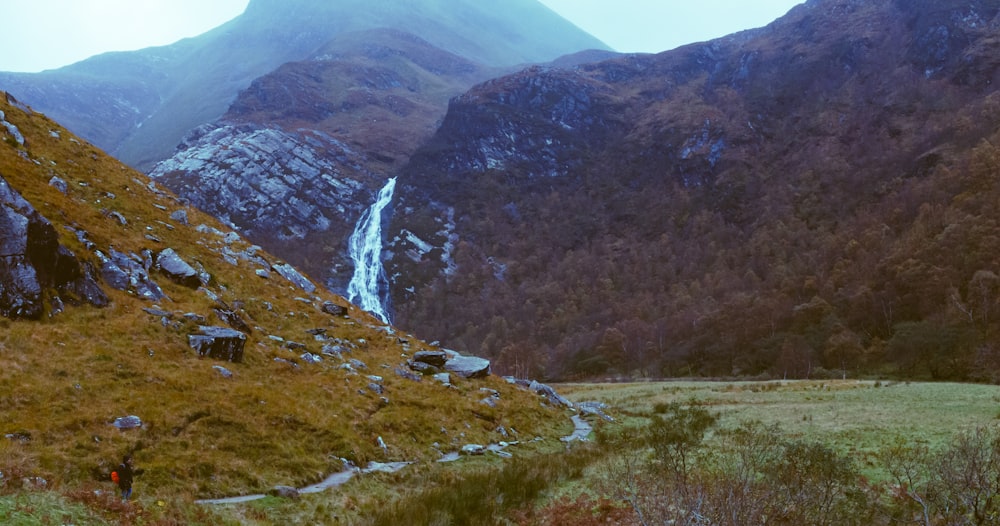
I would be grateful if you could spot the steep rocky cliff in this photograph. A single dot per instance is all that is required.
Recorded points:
(303, 150)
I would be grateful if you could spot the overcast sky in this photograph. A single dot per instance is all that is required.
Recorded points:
(46, 34)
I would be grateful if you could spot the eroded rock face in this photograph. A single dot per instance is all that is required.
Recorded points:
(219, 343)
(31, 260)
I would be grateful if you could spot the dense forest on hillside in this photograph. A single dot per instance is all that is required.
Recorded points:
(831, 212)
(908, 285)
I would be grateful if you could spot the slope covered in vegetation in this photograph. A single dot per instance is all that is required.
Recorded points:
(813, 198)
(318, 381)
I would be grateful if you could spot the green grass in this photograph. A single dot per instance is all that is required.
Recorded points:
(861, 415)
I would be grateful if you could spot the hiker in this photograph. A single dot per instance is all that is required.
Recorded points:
(125, 473)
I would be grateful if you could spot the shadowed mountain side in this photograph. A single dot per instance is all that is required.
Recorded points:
(138, 105)
(813, 196)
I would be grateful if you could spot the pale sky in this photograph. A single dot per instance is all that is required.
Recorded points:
(45, 34)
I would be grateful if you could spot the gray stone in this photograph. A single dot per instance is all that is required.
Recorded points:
(311, 358)
(223, 372)
(220, 343)
(549, 393)
(180, 215)
(422, 368)
(435, 358)
(444, 378)
(58, 184)
(403, 373)
(333, 309)
(178, 270)
(130, 273)
(127, 422)
(473, 449)
(357, 364)
(376, 388)
(468, 366)
(288, 272)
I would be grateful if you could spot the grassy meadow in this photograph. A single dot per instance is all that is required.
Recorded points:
(857, 416)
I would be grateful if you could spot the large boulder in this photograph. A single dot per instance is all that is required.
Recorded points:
(31, 260)
(178, 270)
(468, 366)
(220, 343)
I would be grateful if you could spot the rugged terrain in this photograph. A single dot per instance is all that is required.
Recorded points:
(302, 151)
(814, 197)
(139, 105)
(134, 323)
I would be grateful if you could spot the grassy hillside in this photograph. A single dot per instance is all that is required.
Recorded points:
(278, 420)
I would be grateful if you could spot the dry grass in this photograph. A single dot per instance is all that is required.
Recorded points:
(65, 378)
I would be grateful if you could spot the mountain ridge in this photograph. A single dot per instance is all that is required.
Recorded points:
(167, 91)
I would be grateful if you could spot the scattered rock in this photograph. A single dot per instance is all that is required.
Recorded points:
(403, 373)
(220, 343)
(157, 312)
(357, 364)
(58, 184)
(286, 362)
(444, 378)
(468, 366)
(549, 393)
(594, 408)
(333, 309)
(180, 215)
(117, 217)
(127, 422)
(231, 318)
(178, 270)
(311, 358)
(423, 368)
(223, 372)
(473, 449)
(288, 272)
(130, 273)
(434, 358)
(376, 388)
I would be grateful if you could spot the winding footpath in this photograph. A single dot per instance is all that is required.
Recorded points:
(581, 429)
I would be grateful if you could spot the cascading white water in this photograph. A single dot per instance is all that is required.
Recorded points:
(365, 246)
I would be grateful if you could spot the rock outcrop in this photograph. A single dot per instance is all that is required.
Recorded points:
(220, 343)
(32, 261)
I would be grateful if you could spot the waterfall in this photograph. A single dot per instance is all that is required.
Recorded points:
(369, 287)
